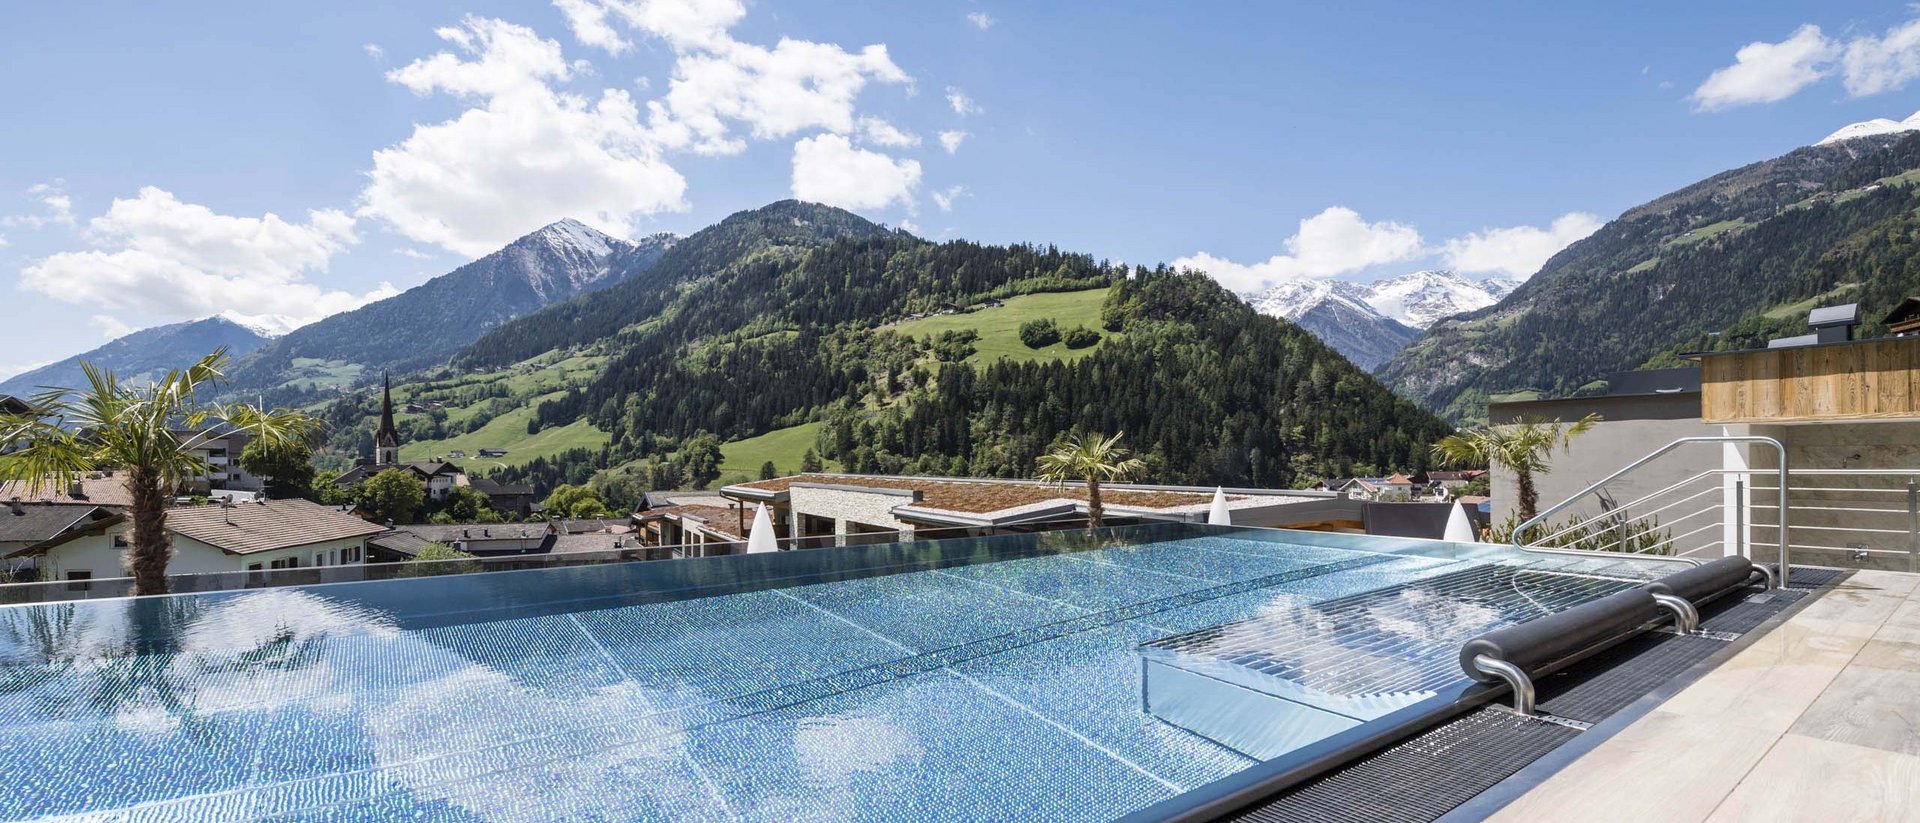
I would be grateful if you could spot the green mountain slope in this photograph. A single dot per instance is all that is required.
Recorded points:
(798, 328)
(1713, 257)
(143, 355)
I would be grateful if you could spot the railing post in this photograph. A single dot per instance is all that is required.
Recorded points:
(1913, 525)
(1740, 546)
(1785, 567)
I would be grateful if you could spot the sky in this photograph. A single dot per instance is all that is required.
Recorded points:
(281, 162)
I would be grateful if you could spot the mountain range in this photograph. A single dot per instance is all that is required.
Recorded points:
(144, 355)
(1727, 262)
(1369, 322)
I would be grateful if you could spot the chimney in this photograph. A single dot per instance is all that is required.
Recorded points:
(77, 491)
(18, 510)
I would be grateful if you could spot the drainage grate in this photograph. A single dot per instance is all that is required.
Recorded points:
(1423, 778)
(1810, 578)
(1610, 681)
(1746, 614)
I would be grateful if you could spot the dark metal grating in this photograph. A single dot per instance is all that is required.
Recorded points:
(1736, 615)
(1810, 578)
(1613, 679)
(1423, 778)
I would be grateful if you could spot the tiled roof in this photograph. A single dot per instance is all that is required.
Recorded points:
(99, 490)
(489, 486)
(275, 524)
(721, 520)
(477, 531)
(400, 542)
(44, 521)
(979, 497)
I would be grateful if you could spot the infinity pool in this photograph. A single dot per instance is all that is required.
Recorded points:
(981, 679)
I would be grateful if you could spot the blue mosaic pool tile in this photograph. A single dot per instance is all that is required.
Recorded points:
(145, 757)
(1090, 682)
(929, 610)
(698, 650)
(930, 747)
(1388, 571)
(1203, 559)
(1066, 579)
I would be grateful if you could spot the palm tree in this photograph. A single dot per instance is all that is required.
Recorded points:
(1522, 448)
(1093, 460)
(133, 430)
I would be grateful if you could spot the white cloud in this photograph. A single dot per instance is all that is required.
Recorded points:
(1769, 72)
(1880, 64)
(910, 226)
(3, 242)
(1333, 242)
(374, 51)
(412, 253)
(945, 199)
(589, 23)
(951, 140)
(961, 103)
(1763, 72)
(55, 207)
(829, 169)
(1518, 251)
(527, 156)
(980, 20)
(158, 256)
(882, 133)
(111, 327)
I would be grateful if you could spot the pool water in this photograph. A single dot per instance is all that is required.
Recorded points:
(1000, 690)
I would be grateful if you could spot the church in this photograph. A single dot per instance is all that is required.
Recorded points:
(440, 477)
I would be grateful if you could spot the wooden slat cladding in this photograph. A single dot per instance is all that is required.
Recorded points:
(1864, 380)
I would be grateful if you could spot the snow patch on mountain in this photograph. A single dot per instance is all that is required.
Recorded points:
(1424, 297)
(1869, 128)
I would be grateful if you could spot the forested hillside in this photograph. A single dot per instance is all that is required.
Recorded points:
(785, 317)
(1720, 263)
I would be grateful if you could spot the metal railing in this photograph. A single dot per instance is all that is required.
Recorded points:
(1705, 515)
(1858, 515)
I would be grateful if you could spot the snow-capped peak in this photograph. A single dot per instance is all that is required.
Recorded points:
(578, 235)
(1869, 128)
(1291, 299)
(265, 325)
(1423, 297)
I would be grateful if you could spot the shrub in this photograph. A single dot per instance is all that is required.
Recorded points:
(1039, 333)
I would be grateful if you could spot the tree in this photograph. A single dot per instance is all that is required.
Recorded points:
(394, 494)
(575, 501)
(1093, 460)
(108, 425)
(702, 457)
(287, 467)
(466, 504)
(1521, 448)
(810, 462)
(325, 489)
(441, 551)
(767, 471)
(1039, 333)
(1080, 337)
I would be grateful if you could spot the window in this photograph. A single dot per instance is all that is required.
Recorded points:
(350, 554)
(253, 567)
(77, 581)
(286, 563)
(120, 541)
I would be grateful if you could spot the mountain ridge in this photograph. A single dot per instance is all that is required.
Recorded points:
(143, 355)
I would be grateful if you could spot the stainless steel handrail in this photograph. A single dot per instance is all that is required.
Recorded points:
(1520, 531)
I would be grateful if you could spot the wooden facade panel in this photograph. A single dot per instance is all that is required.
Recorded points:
(1868, 379)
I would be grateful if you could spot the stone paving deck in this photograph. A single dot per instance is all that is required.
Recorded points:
(1817, 720)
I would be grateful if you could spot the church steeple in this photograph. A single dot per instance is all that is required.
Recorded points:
(386, 441)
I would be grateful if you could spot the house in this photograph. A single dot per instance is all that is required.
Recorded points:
(840, 509)
(694, 530)
(270, 534)
(438, 476)
(991, 303)
(1905, 318)
(480, 540)
(493, 452)
(221, 453)
(14, 405)
(510, 499)
(26, 526)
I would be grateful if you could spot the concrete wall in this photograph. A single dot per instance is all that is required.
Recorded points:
(1630, 427)
(97, 554)
(1832, 515)
(873, 508)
